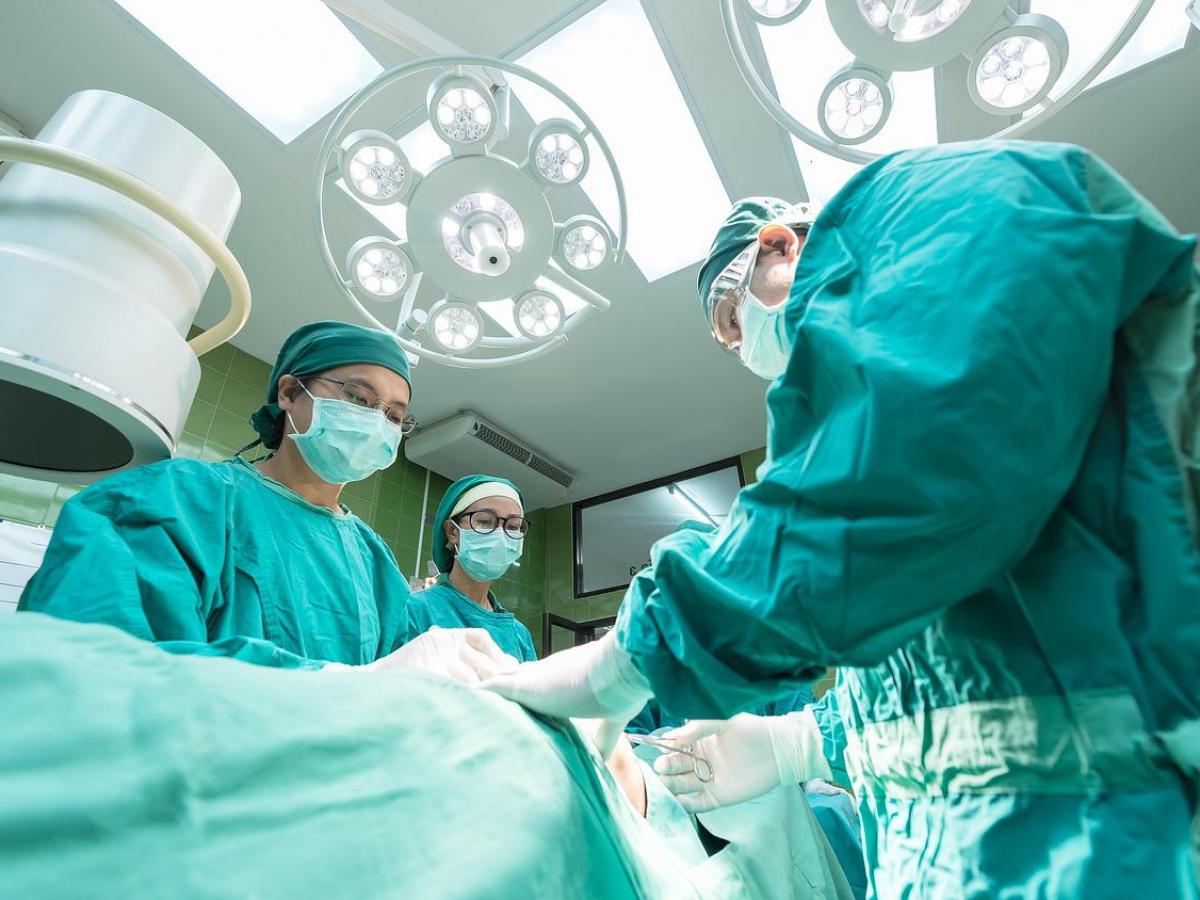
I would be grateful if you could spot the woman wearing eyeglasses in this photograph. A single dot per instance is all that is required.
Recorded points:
(480, 527)
(259, 561)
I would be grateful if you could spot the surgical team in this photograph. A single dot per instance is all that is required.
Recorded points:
(980, 504)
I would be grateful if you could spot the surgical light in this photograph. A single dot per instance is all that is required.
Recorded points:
(584, 243)
(462, 110)
(912, 20)
(558, 153)
(855, 105)
(775, 12)
(485, 271)
(379, 268)
(374, 167)
(113, 248)
(457, 327)
(539, 314)
(1017, 66)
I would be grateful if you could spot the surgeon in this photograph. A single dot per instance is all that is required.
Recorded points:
(481, 527)
(979, 501)
(260, 562)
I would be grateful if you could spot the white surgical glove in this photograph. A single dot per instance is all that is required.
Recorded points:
(597, 680)
(465, 655)
(749, 755)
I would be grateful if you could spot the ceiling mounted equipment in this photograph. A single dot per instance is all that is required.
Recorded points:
(111, 223)
(486, 272)
(1015, 62)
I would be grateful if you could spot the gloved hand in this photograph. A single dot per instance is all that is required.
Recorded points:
(597, 680)
(465, 655)
(749, 755)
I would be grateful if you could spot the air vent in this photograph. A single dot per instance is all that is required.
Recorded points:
(501, 443)
(551, 471)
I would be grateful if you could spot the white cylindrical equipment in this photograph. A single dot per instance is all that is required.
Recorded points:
(98, 293)
(484, 236)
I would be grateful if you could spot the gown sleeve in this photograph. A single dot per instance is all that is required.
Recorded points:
(147, 552)
(952, 344)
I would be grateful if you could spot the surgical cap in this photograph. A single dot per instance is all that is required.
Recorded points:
(740, 227)
(441, 553)
(318, 348)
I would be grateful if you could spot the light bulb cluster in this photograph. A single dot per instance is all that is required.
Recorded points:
(855, 105)
(482, 248)
(584, 244)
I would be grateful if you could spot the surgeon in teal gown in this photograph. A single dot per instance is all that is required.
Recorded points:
(255, 561)
(980, 503)
(463, 596)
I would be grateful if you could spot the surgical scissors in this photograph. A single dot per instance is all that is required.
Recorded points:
(704, 769)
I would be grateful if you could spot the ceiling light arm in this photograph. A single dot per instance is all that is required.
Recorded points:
(1050, 107)
(447, 359)
(561, 279)
(770, 102)
(121, 182)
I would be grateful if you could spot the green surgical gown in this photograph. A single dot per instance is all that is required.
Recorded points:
(976, 503)
(445, 606)
(217, 559)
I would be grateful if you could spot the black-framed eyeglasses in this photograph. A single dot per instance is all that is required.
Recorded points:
(361, 395)
(485, 521)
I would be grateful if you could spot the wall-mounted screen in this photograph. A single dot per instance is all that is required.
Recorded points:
(614, 532)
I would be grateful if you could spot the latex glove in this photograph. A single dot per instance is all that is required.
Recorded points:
(465, 655)
(749, 755)
(597, 680)
(821, 786)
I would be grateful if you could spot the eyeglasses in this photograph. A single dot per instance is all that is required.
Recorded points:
(728, 293)
(485, 521)
(361, 395)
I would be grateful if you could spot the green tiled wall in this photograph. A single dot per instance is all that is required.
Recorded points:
(232, 384)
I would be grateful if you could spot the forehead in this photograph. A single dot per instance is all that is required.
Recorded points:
(391, 388)
(502, 506)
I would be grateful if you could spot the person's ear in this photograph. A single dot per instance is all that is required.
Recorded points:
(451, 533)
(289, 387)
(779, 239)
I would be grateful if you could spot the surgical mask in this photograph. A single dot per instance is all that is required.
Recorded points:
(765, 348)
(345, 442)
(486, 557)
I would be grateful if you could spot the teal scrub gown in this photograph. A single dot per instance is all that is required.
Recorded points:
(445, 606)
(216, 559)
(979, 503)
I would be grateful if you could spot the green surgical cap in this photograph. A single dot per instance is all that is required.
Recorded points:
(441, 553)
(318, 348)
(740, 227)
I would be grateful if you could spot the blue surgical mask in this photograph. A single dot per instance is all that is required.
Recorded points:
(345, 442)
(486, 557)
(765, 348)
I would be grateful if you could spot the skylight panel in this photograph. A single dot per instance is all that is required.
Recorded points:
(609, 61)
(285, 62)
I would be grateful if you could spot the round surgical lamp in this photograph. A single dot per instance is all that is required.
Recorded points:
(457, 327)
(488, 265)
(583, 243)
(558, 153)
(1017, 66)
(775, 12)
(374, 167)
(112, 222)
(379, 268)
(462, 110)
(855, 105)
(539, 314)
(910, 35)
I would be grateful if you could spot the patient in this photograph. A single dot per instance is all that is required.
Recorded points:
(131, 771)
